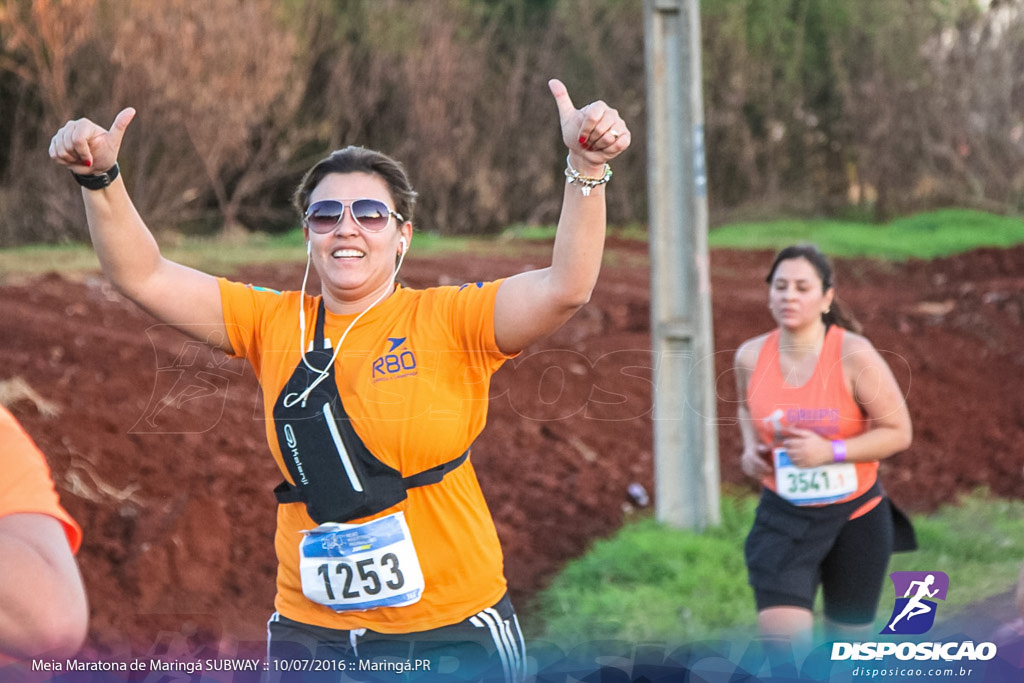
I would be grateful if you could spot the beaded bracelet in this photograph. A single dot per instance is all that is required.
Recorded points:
(586, 184)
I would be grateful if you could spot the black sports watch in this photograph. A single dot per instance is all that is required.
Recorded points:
(97, 181)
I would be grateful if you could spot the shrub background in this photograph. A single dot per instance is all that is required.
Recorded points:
(813, 107)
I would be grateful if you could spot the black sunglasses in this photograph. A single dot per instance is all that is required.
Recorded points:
(371, 215)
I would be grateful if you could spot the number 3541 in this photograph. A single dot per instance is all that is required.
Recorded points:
(800, 482)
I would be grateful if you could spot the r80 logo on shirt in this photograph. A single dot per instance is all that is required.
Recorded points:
(396, 362)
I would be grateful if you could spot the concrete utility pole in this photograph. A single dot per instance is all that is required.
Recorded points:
(685, 422)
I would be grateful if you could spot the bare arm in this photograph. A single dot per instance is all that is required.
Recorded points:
(752, 460)
(878, 394)
(532, 305)
(43, 608)
(175, 294)
(876, 391)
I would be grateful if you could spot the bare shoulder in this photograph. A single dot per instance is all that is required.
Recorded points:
(748, 351)
(858, 351)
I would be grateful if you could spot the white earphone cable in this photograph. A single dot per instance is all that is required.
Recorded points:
(325, 372)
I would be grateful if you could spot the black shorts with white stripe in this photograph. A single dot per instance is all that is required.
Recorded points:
(487, 647)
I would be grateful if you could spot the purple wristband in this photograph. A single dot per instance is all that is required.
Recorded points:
(838, 451)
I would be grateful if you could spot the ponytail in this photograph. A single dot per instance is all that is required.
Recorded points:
(839, 314)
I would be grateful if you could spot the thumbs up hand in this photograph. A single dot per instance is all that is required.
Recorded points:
(595, 133)
(85, 147)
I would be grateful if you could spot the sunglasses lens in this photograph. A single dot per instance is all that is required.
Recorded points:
(371, 214)
(323, 216)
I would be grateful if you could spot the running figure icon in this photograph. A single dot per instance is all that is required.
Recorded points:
(915, 606)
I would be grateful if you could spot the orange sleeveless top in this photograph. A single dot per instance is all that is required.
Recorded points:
(823, 404)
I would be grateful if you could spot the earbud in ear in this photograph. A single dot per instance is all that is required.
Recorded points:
(309, 247)
(405, 245)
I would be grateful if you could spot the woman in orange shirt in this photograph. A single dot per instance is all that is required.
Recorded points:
(818, 409)
(373, 394)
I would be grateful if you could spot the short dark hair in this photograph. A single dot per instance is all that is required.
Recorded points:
(355, 159)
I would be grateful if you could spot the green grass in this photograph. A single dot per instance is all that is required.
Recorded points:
(42, 258)
(521, 231)
(923, 236)
(650, 582)
(209, 254)
(927, 235)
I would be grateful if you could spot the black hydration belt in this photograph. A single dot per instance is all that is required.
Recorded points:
(335, 474)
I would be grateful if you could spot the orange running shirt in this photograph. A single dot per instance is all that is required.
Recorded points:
(414, 376)
(823, 404)
(26, 485)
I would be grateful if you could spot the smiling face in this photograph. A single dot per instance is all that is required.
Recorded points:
(796, 295)
(355, 266)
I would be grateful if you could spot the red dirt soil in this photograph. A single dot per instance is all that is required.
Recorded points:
(159, 450)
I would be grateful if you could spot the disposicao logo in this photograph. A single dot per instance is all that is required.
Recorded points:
(913, 614)
(916, 592)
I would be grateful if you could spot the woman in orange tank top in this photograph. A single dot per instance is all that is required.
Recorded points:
(818, 409)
